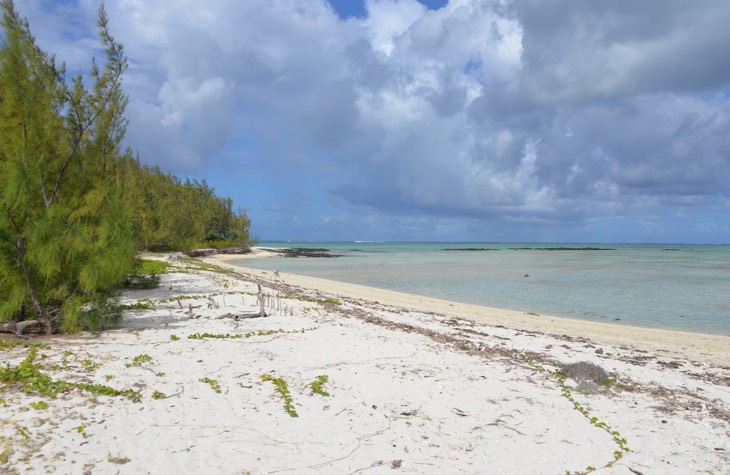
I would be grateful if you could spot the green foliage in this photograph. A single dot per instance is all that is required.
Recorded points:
(27, 377)
(328, 301)
(151, 266)
(159, 395)
(599, 374)
(89, 365)
(142, 281)
(316, 385)
(283, 389)
(12, 344)
(193, 264)
(139, 360)
(174, 337)
(174, 215)
(202, 336)
(103, 314)
(39, 405)
(65, 232)
(213, 384)
(144, 304)
(74, 208)
(223, 336)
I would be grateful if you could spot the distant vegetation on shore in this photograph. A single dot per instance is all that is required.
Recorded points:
(74, 207)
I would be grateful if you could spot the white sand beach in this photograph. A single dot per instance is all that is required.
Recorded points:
(344, 379)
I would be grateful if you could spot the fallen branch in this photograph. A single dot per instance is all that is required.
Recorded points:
(19, 328)
(239, 316)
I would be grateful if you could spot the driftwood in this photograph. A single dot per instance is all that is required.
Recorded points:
(192, 307)
(20, 328)
(261, 298)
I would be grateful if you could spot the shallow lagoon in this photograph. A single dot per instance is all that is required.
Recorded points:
(681, 287)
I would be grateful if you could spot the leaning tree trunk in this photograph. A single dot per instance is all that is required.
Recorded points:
(40, 312)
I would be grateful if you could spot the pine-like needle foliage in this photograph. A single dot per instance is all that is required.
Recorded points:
(74, 209)
(65, 231)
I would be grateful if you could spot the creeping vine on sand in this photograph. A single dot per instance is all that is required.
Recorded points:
(316, 385)
(139, 360)
(283, 389)
(213, 384)
(27, 377)
(620, 442)
(223, 336)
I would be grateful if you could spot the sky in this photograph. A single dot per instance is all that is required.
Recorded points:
(432, 120)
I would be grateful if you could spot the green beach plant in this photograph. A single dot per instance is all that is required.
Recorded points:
(39, 405)
(213, 384)
(316, 385)
(281, 387)
(27, 377)
(139, 360)
(224, 336)
(585, 370)
(143, 304)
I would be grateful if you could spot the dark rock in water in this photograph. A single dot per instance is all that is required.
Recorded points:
(470, 249)
(527, 275)
(584, 371)
(561, 249)
(304, 252)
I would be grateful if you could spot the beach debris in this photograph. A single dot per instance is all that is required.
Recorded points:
(20, 328)
(588, 386)
(261, 301)
(192, 307)
(459, 412)
(585, 372)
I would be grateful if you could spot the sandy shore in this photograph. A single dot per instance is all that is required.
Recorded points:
(343, 379)
(701, 346)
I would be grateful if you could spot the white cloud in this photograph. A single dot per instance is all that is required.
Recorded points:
(387, 20)
(529, 110)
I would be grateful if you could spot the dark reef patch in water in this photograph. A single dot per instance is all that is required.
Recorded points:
(562, 249)
(303, 252)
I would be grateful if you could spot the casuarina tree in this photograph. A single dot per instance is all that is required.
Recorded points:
(65, 232)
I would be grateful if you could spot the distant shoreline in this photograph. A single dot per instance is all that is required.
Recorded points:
(647, 287)
(690, 344)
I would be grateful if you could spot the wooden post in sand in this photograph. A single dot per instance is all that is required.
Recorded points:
(262, 312)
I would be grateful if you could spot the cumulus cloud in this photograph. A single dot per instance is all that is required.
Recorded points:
(483, 110)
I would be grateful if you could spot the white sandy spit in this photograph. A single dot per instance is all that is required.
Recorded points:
(406, 391)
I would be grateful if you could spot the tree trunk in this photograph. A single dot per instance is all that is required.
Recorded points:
(40, 312)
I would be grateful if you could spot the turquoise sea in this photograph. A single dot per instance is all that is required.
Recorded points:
(681, 287)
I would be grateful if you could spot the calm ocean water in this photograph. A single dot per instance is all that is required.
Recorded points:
(682, 287)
